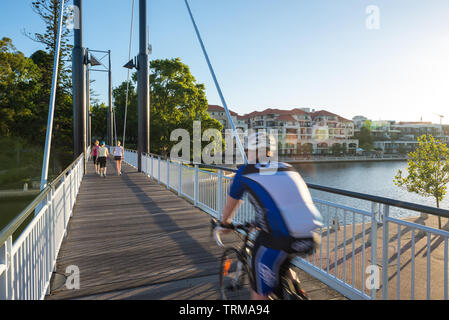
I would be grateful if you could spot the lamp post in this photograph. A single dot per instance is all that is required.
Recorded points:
(79, 87)
(143, 86)
(143, 143)
(110, 116)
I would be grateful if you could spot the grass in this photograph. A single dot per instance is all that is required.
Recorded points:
(21, 163)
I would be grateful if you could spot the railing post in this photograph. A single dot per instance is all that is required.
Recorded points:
(159, 170)
(71, 191)
(168, 173)
(152, 166)
(65, 206)
(6, 270)
(385, 238)
(220, 193)
(374, 212)
(53, 218)
(180, 178)
(195, 186)
(48, 234)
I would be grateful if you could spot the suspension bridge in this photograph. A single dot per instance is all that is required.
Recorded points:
(145, 234)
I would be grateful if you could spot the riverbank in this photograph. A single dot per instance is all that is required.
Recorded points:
(18, 193)
(298, 160)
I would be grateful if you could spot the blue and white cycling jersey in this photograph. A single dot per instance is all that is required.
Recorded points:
(282, 201)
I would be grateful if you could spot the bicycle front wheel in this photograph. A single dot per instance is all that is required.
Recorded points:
(234, 276)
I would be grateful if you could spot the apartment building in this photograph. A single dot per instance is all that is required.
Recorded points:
(400, 137)
(300, 130)
(219, 113)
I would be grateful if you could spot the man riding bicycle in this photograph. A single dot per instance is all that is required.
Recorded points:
(285, 214)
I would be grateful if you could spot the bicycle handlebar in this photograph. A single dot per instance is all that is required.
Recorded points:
(216, 227)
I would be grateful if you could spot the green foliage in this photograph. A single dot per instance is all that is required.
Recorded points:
(428, 169)
(176, 101)
(306, 149)
(19, 83)
(337, 149)
(365, 137)
(25, 85)
(99, 121)
(48, 11)
(368, 124)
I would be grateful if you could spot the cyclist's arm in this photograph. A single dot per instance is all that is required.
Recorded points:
(234, 197)
(230, 209)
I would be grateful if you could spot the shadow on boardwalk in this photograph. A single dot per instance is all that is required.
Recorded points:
(133, 239)
(346, 253)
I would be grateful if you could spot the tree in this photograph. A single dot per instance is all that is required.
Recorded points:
(19, 84)
(428, 170)
(48, 11)
(337, 149)
(99, 121)
(119, 94)
(306, 149)
(176, 101)
(365, 138)
(62, 122)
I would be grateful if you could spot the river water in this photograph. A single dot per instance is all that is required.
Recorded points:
(374, 178)
(10, 207)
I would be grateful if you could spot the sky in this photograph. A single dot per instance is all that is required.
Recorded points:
(282, 54)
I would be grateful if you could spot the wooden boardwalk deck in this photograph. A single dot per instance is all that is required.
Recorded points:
(133, 239)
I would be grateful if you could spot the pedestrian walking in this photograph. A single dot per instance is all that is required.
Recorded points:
(119, 153)
(94, 156)
(103, 154)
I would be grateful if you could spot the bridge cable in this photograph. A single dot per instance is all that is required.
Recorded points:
(217, 85)
(127, 81)
(51, 108)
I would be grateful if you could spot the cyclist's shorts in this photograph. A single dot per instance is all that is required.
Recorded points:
(266, 266)
(267, 262)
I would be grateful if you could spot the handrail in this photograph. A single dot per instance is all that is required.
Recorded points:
(18, 220)
(383, 200)
(362, 196)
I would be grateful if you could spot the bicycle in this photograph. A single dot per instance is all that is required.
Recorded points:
(235, 269)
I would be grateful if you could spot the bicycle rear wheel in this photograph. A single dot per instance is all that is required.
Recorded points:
(293, 291)
(290, 289)
(234, 276)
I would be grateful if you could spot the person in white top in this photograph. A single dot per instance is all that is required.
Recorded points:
(103, 154)
(118, 157)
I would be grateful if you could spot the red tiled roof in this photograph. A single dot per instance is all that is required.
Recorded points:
(275, 111)
(299, 112)
(286, 117)
(323, 113)
(220, 109)
(344, 119)
(327, 113)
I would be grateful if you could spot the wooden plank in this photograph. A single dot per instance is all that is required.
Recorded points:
(134, 239)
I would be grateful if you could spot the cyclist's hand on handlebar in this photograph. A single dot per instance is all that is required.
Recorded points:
(227, 227)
